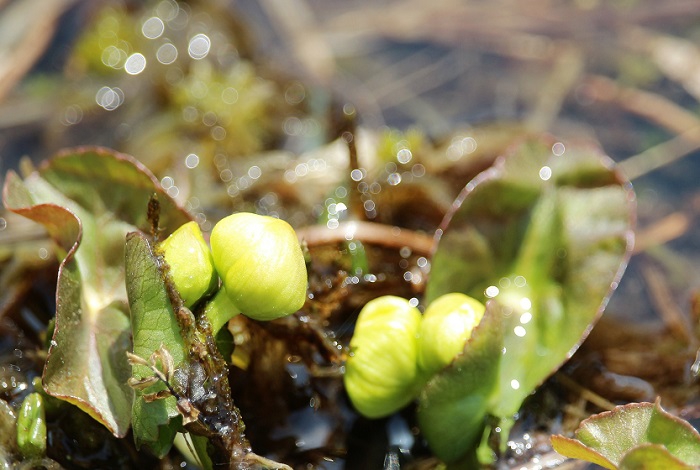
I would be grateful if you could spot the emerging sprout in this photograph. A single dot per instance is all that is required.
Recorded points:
(31, 427)
(381, 374)
(261, 264)
(447, 325)
(191, 263)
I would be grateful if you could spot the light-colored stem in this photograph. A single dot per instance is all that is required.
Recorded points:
(220, 310)
(368, 233)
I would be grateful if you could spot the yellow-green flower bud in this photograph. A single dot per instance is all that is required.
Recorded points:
(191, 263)
(381, 373)
(31, 427)
(447, 325)
(261, 264)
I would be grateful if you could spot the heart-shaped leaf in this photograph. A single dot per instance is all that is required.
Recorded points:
(88, 199)
(547, 236)
(634, 436)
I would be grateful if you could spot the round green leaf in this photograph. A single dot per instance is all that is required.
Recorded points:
(547, 236)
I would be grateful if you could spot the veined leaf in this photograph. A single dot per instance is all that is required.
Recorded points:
(546, 236)
(153, 324)
(634, 436)
(88, 199)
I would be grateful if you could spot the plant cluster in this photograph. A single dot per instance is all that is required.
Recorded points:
(263, 275)
(521, 269)
(166, 323)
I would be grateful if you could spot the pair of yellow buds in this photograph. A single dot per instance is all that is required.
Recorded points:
(395, 350)
(259, 261)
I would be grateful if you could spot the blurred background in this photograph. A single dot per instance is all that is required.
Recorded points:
(223, 82)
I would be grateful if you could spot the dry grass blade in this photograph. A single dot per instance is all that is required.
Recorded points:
(676, 57)
(651, 106)
(661, 155)
(665, 303)
(368, 232)
(662, 231)
(24, 36)
(568, 67)
(586, 394)
(684, 124)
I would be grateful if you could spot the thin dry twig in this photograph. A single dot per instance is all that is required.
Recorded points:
(661, 231)
(661, 155)
(568, 67)
(368, 232)
(678, 58)
(575, 413)
(674, 319)
(658, 110)
(585, 393)
(420, 80)
(651, 106)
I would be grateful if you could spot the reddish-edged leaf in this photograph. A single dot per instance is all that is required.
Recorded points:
(632, 437)
(547, 236)
(88, 199)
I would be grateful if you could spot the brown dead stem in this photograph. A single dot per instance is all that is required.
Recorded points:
(661, 231)
(368, 232)
(665, 304)
(585, 393)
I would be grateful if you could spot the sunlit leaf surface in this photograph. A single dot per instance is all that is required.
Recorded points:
(546, 233)
(453, 403)
(634, 436)
(650, 457)
(88, 199)
(153, 324)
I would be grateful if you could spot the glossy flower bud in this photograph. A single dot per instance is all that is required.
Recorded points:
(261, 264)
(447, 325)
(190, 261)
(31, 426)
(381, 373)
